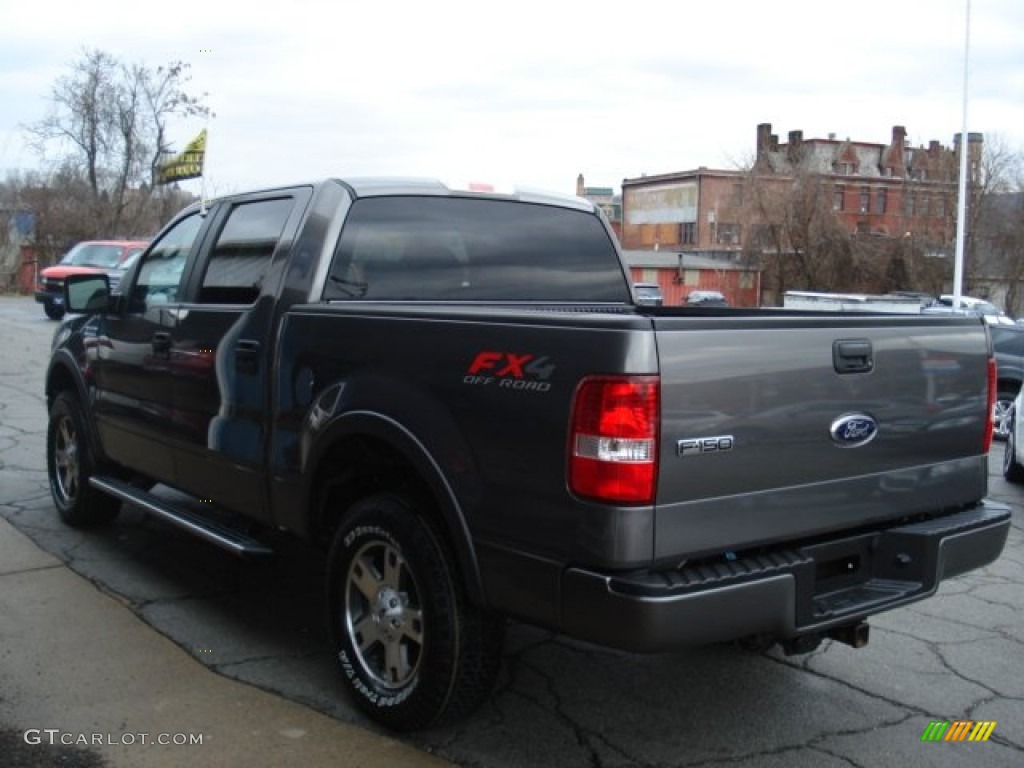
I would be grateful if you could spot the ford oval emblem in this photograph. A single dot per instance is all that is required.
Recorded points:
(853, 430)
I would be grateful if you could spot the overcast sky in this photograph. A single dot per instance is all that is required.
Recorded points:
(529, 92)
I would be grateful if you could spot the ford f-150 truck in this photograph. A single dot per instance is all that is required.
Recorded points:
(456, 395)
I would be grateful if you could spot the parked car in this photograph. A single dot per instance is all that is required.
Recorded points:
(648, 294)
(1008, 341)
(112, 257)
(970, 305)
(1013, 461)
(706, 299)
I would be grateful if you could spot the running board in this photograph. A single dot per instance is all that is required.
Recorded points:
(211, 531)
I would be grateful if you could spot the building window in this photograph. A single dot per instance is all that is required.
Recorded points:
(846, 169)
(923, 208)
(863, 228)
(688, 232)
(880, 200)
(691, 276)
(728, 234)
(737, 194)
(746, 280)
(940, 207)
(837, 198)
(908, 204)
(865, 199)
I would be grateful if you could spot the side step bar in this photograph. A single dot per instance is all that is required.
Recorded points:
(211, 531)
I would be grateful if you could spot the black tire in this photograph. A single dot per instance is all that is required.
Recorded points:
(1002, 413)
(53, 311)
(413, 652)
(1012, 470)
(70, 464)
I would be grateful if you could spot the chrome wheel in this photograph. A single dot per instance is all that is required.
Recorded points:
(383, 615)
(1002, 415)
(65, 460)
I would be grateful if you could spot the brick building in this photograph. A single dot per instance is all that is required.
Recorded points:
(605, 199)
(881, 191)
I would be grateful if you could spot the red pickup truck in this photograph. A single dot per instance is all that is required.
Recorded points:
(112, 257)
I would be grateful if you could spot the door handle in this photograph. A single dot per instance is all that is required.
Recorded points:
(161, 343)
(247, 356)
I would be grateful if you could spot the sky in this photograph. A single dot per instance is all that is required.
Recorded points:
(532, 92)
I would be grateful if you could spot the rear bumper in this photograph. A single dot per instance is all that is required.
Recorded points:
(786, 593)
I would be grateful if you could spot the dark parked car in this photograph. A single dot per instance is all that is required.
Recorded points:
(1008, 341)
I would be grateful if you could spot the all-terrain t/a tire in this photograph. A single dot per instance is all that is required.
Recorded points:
(70, 464)
(413, 652)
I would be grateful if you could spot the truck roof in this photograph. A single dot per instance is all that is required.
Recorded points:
(379, 186)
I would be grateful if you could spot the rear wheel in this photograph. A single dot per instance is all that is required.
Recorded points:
(70, 464)
(1012, 469)
(412, 651)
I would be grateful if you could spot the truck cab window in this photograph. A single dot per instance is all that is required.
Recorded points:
(162, 267)
(241, 255)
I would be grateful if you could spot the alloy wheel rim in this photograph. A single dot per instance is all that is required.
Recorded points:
(66, 460)
(383, 615)
(1001, 417)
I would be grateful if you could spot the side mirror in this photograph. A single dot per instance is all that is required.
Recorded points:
(87, 293)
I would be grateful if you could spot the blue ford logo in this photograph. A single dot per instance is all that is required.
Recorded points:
(853, 429)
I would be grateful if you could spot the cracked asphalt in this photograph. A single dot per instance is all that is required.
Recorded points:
(956, 656)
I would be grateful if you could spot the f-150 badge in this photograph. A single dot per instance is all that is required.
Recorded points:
(695, 446)
(852, 430)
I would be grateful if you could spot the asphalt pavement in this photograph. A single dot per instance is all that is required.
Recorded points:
(140, 633)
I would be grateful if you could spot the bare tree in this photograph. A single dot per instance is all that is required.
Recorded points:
(108, 122)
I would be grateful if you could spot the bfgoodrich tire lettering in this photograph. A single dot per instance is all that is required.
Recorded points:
(70, 464)
(412, 651)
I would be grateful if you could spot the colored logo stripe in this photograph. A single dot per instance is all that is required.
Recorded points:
(958, 730)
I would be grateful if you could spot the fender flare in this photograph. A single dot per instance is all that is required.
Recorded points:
(63, 360)
(368, 423)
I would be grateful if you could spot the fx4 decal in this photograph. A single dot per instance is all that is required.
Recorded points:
(510, 370)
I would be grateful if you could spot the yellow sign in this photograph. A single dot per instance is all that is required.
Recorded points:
(185, 165)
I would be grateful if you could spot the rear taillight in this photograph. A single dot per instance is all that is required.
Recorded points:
(990, 422)
(614, 439)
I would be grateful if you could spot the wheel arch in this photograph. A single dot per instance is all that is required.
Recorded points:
(63, 375)
(362, 452)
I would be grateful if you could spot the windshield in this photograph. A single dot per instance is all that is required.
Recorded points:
(93, 255)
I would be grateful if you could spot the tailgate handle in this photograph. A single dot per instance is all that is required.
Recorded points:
(852, 356)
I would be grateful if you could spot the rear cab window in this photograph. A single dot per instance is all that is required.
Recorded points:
(420, 248)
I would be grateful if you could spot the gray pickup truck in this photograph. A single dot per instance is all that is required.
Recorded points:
(456, 396)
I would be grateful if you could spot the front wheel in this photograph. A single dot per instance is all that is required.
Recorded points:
(53, 311)
(412, 651)
(70, 464)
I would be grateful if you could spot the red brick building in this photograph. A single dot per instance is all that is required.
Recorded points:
(891, 190)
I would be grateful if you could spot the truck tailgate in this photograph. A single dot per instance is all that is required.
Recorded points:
(791, 426)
